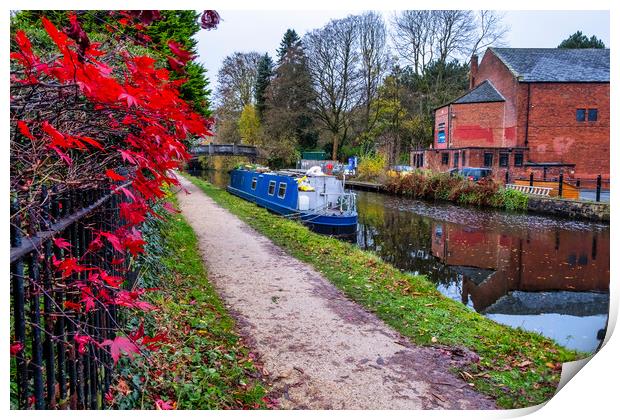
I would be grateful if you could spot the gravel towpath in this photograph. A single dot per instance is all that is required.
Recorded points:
(319, 349)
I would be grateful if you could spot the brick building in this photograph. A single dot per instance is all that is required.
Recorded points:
(541, 110)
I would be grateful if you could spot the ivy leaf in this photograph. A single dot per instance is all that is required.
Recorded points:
(121, 344)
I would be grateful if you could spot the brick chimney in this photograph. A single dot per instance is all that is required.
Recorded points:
(473, 71)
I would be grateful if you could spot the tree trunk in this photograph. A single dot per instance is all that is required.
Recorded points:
(335, 146)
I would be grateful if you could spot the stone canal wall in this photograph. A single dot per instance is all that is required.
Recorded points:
(571, 209)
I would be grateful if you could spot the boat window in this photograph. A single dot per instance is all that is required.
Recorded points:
(253, 183)
(272, 187)
(282, 190)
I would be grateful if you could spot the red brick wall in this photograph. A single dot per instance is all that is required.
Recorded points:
(491, 68)
(480, 124)
(556, 136)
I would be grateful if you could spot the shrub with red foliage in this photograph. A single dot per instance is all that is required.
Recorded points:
(87, 114)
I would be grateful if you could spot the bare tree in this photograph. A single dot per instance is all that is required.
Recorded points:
(424, 36)
(489, 31)
(374, 61)
(454, 32)
(333, 57)
(413, 35)
(236, 79)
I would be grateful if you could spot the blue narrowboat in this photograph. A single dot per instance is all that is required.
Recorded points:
(318, 200)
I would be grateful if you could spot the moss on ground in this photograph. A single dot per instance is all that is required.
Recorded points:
(516, 367)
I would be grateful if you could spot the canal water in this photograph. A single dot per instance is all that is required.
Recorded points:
(538, 273)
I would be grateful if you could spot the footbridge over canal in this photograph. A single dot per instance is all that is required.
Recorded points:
(213, 149)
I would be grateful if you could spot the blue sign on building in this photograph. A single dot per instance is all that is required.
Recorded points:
(441, 137)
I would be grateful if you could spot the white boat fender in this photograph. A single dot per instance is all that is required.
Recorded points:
(315, 171)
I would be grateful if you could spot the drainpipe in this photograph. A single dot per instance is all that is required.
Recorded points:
(449, 125)
(527, 115)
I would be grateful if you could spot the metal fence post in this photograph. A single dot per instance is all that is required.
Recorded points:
(599, 182)
(561, 185)
(531, 179)
(507, 177)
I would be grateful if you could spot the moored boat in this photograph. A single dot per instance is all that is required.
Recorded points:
(318, 200)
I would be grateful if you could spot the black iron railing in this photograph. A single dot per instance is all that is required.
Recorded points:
(49, 369)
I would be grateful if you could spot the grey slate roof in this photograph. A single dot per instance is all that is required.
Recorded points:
(556, 64)
(484, 92)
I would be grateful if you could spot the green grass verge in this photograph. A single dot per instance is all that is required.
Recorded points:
(516, 367)
(204, 364)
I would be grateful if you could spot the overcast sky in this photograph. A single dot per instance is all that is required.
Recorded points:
(262, 30)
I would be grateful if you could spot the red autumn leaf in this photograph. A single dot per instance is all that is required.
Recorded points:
(82, 341)
(175, 64)
(183, 55)
(113, 281)
(88, 298)
(72, 305)
(75, 32)
(23, 128)
(62, 243)
(131, 100)
(127, 156)
(96, 244)
(164, 405)
(69, 266)
(127, 193)
(16, 347)
(114, 241)
(170, 208)
(63, 155)
(92, 142)
(138, 334)
(117, 261)
(111, 173)
(121, 345)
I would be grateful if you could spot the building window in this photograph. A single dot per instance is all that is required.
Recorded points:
(592, 114)
(488, 160)
(581, 115)
(444, 158)
(272, 187)
(455, 159)
(421, 160)
(253, 183)
(503, 159)
(282, 190)
(441, 136)
(518, 159)
(463, 158)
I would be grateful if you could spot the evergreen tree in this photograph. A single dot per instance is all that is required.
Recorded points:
(579, 40)
(288, 113)
(290, 39)
(263, 78)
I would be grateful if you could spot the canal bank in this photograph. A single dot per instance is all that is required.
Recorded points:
(570, 209)
(516, 367)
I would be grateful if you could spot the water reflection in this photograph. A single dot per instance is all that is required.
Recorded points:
(537, 275)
